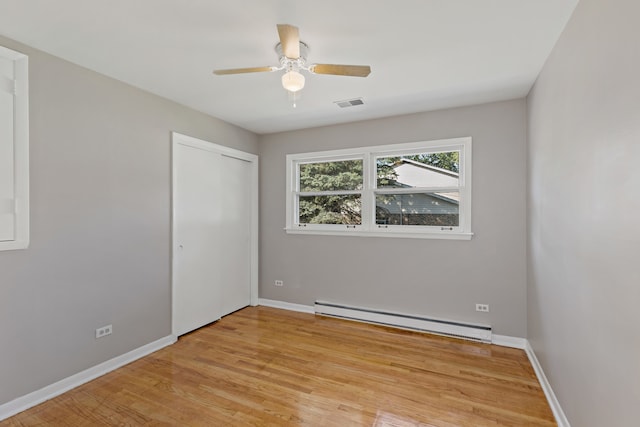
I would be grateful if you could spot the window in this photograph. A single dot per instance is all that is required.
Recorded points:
(330, 192)
(418, 189)
(14, 150)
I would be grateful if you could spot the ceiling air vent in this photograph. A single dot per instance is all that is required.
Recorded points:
(349, 103)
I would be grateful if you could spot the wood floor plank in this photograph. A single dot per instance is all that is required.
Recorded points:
(268, 367)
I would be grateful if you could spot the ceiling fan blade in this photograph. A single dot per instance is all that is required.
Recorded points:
(244, 70)
(290, 40)
(341, 70)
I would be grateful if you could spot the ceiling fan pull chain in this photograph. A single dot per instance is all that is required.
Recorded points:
(293, 96)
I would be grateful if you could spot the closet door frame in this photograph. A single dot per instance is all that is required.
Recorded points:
(181, 139)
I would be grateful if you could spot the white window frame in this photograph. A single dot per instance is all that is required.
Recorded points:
(326, 159)
(369, 191)
(21, 150)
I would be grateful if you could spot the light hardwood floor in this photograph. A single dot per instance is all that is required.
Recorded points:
(263, 366)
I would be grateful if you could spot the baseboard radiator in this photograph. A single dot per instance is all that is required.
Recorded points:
(467, 331)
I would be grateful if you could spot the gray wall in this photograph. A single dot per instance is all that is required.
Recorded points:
(100, 224)
(440, 278)
(584, 198)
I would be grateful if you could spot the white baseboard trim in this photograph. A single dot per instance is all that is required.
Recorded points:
(30, 400)
(507, 341)
(524, 344)
(287, 305)
(558, 413)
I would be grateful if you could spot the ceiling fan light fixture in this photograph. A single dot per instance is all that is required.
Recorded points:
(292, 81)
(292, 56)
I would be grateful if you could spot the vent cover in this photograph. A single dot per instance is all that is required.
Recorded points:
(349, 102)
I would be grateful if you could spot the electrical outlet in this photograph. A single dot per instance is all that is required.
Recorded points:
(104, 331)
(482, 307)
(278, 283)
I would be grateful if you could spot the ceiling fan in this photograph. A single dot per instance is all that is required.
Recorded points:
(292, 54)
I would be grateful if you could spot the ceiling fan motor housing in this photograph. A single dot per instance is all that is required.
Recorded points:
(293, 63)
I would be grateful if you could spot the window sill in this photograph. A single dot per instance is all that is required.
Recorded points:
(10, 245)
(405, 235)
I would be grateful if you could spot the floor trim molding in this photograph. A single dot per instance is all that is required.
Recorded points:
(558, 413)
(30, 400)
(507, 341)
(287, 305)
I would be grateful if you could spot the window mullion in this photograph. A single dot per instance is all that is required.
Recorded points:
(368, 200)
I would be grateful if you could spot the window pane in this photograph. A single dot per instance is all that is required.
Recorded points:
(344, 209)
(437, 209)
(331, 176)
(419, 170)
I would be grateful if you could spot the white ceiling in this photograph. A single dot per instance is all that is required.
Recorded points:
(424, 54)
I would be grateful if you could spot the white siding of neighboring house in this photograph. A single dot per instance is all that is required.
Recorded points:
(413, 175)
(418, 204)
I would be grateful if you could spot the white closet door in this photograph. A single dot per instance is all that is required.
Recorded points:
(235, 201)
(214, 232)
(197, 249)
